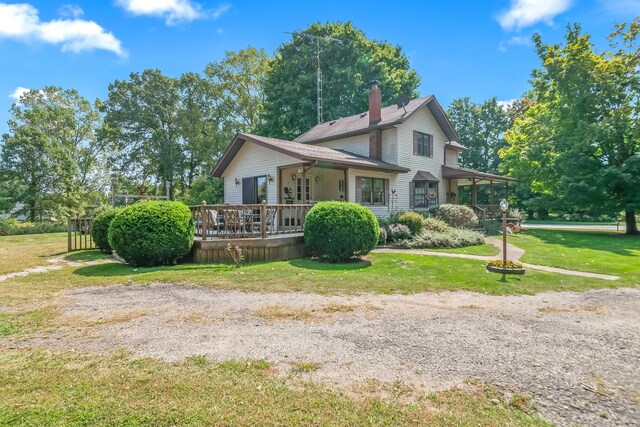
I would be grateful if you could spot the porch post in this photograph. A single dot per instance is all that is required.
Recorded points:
(345, 186)
(474, 193)
(491, 195)
(303, 186)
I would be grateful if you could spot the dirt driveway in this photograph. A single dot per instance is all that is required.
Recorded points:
(577, 354)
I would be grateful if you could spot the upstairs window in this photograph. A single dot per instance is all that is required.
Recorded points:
(422, 144)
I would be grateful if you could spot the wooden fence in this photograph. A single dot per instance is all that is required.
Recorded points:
(79, 233)
(248, 221)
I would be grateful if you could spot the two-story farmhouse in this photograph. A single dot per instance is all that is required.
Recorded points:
(395, 158)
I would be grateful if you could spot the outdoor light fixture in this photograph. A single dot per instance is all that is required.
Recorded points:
(269, 178)
(237, 182)
(301, 170)
(317, 179)
(504, 205)
(293, 177)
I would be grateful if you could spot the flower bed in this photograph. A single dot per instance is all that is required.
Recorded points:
(505, 267)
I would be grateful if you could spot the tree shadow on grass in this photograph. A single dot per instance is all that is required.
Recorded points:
(86, 255)
(314, 264)
(617, 243)
(123, 270)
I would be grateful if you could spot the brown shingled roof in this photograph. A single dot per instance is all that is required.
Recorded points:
(391, 116)
(303, 152)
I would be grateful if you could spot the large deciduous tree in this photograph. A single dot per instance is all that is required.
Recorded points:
(50, 159)
(580, 142)
(238, 80)
(348, 66)
(162, 129)
(481, 128)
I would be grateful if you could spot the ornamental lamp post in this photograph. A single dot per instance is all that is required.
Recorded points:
(504, 206)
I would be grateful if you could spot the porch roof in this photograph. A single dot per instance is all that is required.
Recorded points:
(450, 172)
(305, 153)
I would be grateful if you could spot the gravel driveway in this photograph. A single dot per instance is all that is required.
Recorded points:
(577, 354)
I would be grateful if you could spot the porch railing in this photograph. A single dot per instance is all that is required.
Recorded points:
(248, 221)
(79, 235)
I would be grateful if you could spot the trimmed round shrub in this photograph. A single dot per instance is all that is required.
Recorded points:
(456, 215)
(382, 239)
(152, 233)
(100, 229)
(413, 220)
(435, 224)
(398, 232)
(339, 231)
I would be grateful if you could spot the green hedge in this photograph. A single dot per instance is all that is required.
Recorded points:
(339, 231)
(152, 233)
(100, 229)
(11, 226)
(454, 238)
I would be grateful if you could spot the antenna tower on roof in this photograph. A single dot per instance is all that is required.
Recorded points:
(317, 40)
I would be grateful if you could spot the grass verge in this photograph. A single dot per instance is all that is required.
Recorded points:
(42, 388)
(592, 251)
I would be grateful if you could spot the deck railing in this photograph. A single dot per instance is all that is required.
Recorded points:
(248, 221)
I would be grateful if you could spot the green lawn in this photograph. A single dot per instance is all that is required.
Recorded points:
(562, 222)
(29, 250)
(593, 251)
(42, 388)
(69, 387)
(484, 250)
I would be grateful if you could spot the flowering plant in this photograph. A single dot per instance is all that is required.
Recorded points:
(504, 264)
(237, 255)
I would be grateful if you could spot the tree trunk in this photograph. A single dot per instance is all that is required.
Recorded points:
(632, 226)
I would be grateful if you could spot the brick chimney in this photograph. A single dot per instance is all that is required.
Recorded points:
(375, 103)
(375, 116)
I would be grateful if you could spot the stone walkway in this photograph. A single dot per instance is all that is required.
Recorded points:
(514, 252)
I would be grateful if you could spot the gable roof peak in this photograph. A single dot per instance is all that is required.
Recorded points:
(390, 116)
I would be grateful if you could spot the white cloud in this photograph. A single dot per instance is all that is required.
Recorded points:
(220, 10)
(631, 7)
(524, 13)
(505, 104)
(515, 41)
(173, 11)
(18, 92)
(520, 41)
(70, 11)
(21, 22)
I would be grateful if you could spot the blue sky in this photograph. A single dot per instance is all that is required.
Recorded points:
(460, 48)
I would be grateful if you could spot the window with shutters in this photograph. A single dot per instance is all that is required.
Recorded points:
(422, 144)
(425, 194)
(372, 191)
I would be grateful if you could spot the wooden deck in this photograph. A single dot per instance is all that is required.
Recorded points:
(255, 249)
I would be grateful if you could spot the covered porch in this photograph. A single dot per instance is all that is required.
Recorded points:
(481, 191)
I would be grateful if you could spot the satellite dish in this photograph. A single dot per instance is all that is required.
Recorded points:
(403, 101)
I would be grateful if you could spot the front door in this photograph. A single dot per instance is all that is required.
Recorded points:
(308, 180)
